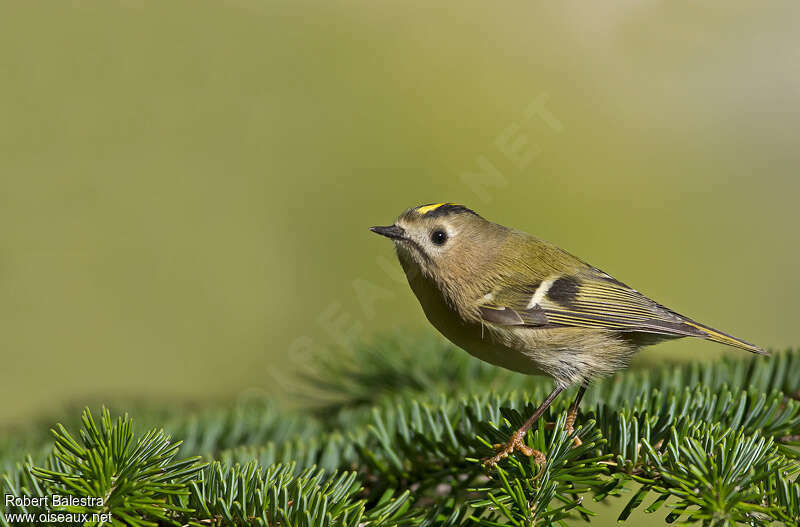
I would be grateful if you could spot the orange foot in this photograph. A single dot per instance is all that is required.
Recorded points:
(576, 441)
(515, 444)
(571, 416)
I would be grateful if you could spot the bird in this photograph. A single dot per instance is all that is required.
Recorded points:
(524, 304)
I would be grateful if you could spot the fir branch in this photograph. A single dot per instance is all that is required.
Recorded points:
(278, 495)
(711, 444)
(108, 470)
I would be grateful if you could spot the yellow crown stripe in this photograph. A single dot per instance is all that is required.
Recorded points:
(427, 208)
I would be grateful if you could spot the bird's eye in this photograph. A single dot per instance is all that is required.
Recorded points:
(438, 237)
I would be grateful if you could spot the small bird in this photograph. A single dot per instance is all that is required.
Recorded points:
(522, 303)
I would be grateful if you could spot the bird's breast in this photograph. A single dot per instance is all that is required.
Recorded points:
(490, 345)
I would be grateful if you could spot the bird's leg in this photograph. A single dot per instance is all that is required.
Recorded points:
(572, 414)
(515, 443)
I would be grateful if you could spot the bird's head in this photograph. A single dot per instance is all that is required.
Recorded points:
(442, 240)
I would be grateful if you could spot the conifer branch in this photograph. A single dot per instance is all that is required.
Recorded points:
(708, 444)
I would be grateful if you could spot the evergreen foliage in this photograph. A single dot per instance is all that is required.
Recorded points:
(395, 434)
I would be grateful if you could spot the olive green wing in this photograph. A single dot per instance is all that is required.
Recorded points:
(592, 299)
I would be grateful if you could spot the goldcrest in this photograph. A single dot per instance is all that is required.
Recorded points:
(522, 303)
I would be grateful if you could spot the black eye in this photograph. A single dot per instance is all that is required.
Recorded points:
(438, 237)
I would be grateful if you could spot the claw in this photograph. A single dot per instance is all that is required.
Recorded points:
(571, 416)
(568, 427)
(514, 445)
(576, 441)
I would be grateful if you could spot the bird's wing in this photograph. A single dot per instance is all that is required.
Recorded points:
(590, 298)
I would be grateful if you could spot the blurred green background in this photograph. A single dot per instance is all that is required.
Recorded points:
(185, 187)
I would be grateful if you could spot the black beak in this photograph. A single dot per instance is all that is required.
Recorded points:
(393, 231)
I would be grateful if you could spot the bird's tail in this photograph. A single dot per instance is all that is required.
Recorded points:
(723, 338)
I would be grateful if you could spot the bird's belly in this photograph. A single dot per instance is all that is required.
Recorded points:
(497, 353)
(477, 340)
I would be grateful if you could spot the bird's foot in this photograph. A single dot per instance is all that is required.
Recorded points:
(576, 441)
(568, 427)
(514, 445)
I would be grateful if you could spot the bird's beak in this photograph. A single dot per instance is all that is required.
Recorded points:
(393, 231)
